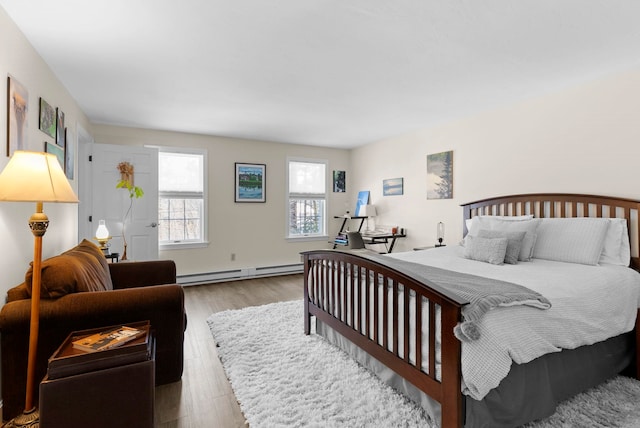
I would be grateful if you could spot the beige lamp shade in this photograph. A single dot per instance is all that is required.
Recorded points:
(35, 177)
(368, 211)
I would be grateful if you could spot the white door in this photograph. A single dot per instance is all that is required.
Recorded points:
(111, 204)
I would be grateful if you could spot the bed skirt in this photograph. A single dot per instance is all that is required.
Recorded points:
(549, 380)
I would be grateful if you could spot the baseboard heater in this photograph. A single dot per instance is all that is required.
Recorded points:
(237, 274)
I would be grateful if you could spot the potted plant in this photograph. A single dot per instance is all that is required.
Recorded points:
(126, 182)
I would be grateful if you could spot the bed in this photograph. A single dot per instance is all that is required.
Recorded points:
(391, 315)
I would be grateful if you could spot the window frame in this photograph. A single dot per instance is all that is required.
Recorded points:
(204, 241)
(315, 237)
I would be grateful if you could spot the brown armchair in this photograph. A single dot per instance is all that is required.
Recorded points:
(141, 291)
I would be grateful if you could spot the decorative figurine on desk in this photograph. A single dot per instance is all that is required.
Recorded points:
(440, 233)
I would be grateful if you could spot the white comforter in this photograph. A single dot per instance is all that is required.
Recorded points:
(589, 304)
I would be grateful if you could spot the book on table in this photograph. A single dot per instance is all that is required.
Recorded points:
(108, 339)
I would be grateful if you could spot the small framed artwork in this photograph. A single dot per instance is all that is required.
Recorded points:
(393, 186)
(339, 182)
(55, 150)
(440, 175)
(69, 153)
(60, 129)
(17, 115)
(363, 199)
(47, 118)
(250, 183)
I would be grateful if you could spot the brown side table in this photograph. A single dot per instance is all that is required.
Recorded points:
(113, 256)
(104, 389)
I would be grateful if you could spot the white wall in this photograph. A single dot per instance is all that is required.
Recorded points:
(21, 61)
(582, 140)
(254, 232)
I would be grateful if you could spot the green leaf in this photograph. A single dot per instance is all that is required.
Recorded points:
(134, 191)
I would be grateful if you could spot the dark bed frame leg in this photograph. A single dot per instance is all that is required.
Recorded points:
(307, 316)
(452, 400)
(637, 375)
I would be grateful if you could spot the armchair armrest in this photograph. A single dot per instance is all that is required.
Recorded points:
(162, 305)
(142, 274)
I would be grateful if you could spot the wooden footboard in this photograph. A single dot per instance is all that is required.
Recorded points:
(390, 315)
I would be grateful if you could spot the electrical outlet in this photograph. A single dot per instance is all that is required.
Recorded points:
(233, 257)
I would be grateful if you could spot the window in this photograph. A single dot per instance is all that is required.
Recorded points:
(181, 190)
(307, 201)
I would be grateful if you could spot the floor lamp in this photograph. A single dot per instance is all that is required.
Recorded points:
(34, 177)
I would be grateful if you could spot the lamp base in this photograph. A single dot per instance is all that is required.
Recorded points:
(28, 419)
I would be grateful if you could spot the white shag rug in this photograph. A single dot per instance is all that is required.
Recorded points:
(283, 378)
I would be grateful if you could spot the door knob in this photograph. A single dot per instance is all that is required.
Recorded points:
(154, 224)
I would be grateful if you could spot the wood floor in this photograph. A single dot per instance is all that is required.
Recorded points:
(204, 398)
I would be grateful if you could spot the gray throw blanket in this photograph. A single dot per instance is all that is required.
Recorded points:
(482, 293)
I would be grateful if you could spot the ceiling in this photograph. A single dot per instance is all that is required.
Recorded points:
(331, 73)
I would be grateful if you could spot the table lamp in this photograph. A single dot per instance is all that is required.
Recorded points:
(368, 211)
(103, 237)
(34, 177)
(440, 234)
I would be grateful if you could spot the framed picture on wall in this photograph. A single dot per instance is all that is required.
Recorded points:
(339, 182)
(60, 127)
(363, 199)
(17, 116)
(393, 186)
(56, 150)
(440, 175)
(47, 118)
(69, 153)
(250, 182)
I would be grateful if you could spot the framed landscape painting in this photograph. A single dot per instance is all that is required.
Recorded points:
(440, 175)
(393, 186)
(250, 182)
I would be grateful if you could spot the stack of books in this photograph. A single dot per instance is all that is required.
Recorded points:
(108, 338)
(341, 239)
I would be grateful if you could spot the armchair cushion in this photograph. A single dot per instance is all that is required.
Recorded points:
(82, 268)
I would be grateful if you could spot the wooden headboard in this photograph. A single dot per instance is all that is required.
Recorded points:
(548, 205)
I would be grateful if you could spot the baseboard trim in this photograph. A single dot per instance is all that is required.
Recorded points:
(239, 274)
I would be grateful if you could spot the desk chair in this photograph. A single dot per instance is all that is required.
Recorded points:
(355, 240)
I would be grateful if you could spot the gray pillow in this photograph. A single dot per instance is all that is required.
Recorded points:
(514, 242)
(490, 250)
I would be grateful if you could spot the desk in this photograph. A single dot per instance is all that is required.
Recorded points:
(386, 238)
(339, 240)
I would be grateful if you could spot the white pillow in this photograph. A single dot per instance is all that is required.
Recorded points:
(572, 240)
(469, 221)
(508, 224)
(490, 250)
(616, 249)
